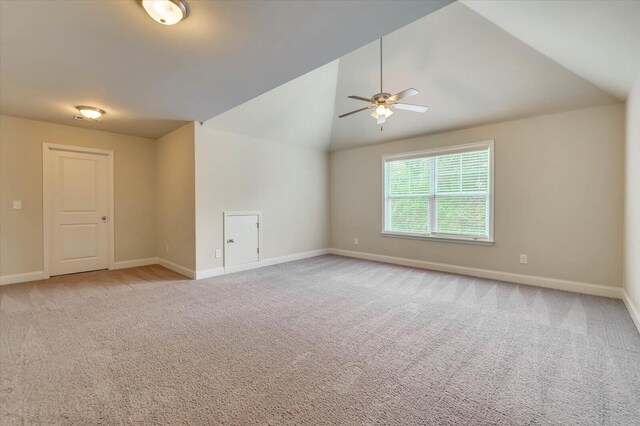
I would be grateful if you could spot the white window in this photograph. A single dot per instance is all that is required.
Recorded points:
(442, 193)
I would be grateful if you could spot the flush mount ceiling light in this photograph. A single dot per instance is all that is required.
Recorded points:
(383, 102)
(89, 113)
(166, 12)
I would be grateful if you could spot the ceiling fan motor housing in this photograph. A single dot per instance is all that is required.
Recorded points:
(381, 98)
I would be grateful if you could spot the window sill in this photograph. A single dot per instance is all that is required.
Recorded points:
(439, 238)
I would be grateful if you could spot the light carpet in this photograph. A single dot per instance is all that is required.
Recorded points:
(328, 340)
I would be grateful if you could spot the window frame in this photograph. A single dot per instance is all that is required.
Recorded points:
(434, 152)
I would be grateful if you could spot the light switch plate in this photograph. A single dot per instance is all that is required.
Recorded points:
(218, 253)
(17, 205)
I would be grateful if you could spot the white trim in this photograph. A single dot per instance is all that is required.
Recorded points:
(633, 309)
(244, 213)
(554, 283)
(294, 257)
(135, 263)
(276, 260)
(225, 259)
(46, 200)
(243, 267)
(208, 273)
(190, 273)
(438, 237)
(198, 275)
(434, 152)
(21, 278)
(573, 286)
(443, 150)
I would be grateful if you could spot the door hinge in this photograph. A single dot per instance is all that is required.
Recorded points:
(258, 225)
(258, 250)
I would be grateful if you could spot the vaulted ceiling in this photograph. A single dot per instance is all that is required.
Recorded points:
(298, 112)
(151, 78)
(270, 69)
(598, 40)
(469, 71)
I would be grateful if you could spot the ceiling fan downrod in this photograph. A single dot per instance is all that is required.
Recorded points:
(382, 103)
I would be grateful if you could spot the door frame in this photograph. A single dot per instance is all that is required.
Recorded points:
(224, 235)
(46, 200)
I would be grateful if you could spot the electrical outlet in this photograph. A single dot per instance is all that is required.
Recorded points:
(167, 248)
(523, 258)
(355, 241)
(17, 205)
(218, 253)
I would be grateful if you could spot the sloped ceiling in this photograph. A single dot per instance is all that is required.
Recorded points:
(298, 112)
(598, 40)
(151, 78)
(474, 63)
(468, 70)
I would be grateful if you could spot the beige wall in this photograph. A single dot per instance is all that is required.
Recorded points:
(176, 197)
(558, 197)
(288, 183)
(21, 236)
(632, 199)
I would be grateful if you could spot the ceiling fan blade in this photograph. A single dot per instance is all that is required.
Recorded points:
(360, 98)
(410, 107)
(403, 95)
(353, 112)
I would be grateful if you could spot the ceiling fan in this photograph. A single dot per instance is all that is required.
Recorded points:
(385, 102)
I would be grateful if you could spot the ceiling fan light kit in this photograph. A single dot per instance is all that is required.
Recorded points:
(384, 102)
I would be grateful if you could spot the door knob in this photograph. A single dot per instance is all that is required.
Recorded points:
(103, 218)
(230, 241)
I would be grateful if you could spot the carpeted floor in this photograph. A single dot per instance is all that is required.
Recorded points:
(328, 340)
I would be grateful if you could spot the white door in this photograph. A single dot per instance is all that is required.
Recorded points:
(242, 238)
(79, 205)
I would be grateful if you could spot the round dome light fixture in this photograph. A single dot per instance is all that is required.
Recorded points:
(89, 112)
(166, 12)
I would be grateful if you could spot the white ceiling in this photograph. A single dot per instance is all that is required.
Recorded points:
(151, 78)
(469, 72)
(598, 40)
(298, 112)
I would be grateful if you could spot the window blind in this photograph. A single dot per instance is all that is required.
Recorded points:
(445, 194)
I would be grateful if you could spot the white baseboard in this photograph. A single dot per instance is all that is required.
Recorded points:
(208, 273)
(134, 263)
(240, 268)
(177, 268)
(295, 256)
(634, 311)
(554, 283)
(21, 278)
(190, 273)
(276, 260)
(39, 275)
